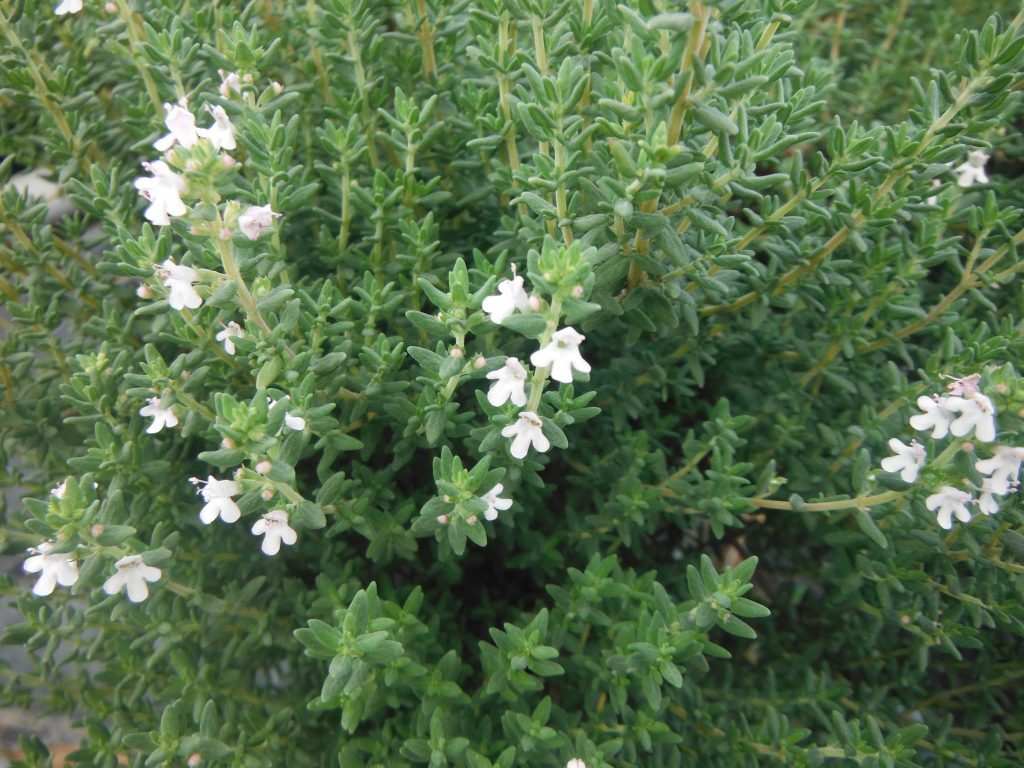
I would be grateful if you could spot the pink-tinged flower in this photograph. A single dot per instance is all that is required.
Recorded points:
(275, 529)
(509, 384)
(525, 431)
(255, 220)
(495, 503)
(163, 415)
(936, 416)
(231, 331)
(977, 414)
(163, 191)
(949, 501)
(178, 280)
(973, 170)
(68, 6)
(908, 459)
(230, 83)
(964, 387)
(221, 134)
(508, 299)
(182, 126)
(131, 575)
(54, 568)
(562, 354)
(217, 495)
(1003, 467)
(59, 490)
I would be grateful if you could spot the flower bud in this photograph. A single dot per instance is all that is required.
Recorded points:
(225, 233)
(228, 162)
(194, 759)
(533, 303)
(111, 7)
(577, 291)
(968, 447)
(227, 442)
(266, 494)
(96, 531)
(479, 362)
(442, 519)
(471, 519)
(144, 292)
(263, 467)
(456, 353)
(278, 88)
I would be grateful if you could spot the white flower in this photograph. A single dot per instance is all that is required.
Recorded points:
(57, 568)
(59, 490)
(509, 384)
(495, 503)
(936, 416)
(274, 528)
(524, 431)
(908, 459)
(132, 574)
(221, 134)
(68, 6)
(987, 500)
(291, 421)
(182, 126)
(562, 354)
(163, 416)
(231, 330)
(255, 220)
(947, 502)
(232, 82)
(217, 495)
(1004, 466)
(508, 299)
(973, 170)
(977, 414)
(178, 280)
(575, 763)
(163, 192)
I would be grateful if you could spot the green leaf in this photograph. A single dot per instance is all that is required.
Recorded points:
(867, 524)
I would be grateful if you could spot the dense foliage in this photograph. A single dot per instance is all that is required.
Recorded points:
(729, 244)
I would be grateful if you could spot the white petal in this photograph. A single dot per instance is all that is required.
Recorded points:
(137, 590)
(113, 585)
(46, 583)
(271, 543)
(893, 463)
(208, 513)
(229, 511)
(288, 535)
(520, 445)
(540, 442)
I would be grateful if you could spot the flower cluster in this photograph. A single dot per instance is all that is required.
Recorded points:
(558, 357)
(165, 187)
(963, 412)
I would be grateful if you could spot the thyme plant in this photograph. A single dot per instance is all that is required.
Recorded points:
(514, 382)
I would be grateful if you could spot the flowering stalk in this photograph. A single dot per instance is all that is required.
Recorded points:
(540, 375)
(245, 298)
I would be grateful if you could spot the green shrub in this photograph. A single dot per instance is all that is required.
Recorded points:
(509, 337)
